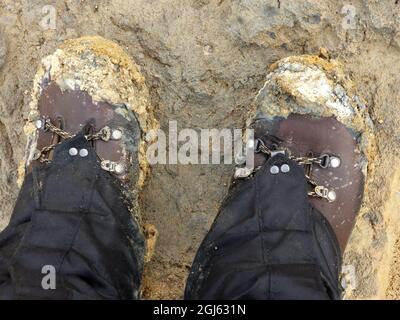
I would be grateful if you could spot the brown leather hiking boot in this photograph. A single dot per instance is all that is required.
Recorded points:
(307, 111)
(90, 84)
(77, 212)
(281, 231)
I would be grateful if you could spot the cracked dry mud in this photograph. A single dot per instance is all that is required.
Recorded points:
(204, 61)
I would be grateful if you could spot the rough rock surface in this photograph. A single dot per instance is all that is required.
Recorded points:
(204, 61)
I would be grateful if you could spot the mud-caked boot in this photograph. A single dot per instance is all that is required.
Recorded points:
(77, 214)
(281, 232)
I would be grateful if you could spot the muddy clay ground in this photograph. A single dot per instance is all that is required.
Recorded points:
(204, 61)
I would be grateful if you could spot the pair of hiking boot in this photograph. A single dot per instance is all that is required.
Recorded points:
(285, 223)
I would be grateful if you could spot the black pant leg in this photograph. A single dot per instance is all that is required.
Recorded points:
(71, 215)
(268, 242)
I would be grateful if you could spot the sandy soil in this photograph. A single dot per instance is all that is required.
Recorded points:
(204, 61)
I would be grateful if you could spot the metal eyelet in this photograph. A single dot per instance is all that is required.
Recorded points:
(241, 173)
(334, 162)
(116, 134)
(324, 161)
(37, 155)
(105, 133)
(113, 167)
(325, 193)
(328, 161)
